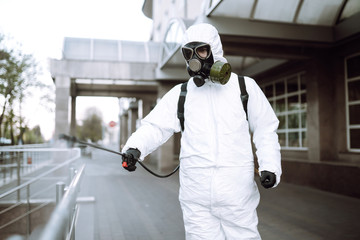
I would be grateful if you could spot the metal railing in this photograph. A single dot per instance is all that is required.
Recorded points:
(62, 222)
(38, 190)
(16, 161)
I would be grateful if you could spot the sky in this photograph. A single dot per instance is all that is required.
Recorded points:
(39, 27)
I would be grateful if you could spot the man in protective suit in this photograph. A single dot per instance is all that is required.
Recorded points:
(218, 193)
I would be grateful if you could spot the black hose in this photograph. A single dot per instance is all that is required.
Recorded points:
(157, 175)
(74, 139)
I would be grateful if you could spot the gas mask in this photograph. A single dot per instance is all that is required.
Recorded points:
(201, 66)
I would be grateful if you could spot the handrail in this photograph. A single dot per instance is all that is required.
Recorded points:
(35, 149)
(74, 154)
(45, 173)
(40, 145)
(61, 221)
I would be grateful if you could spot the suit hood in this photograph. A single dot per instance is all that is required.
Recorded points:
(204, 32)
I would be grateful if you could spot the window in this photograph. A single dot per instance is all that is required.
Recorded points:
(352, 81)
(172, 40)
(288, 99)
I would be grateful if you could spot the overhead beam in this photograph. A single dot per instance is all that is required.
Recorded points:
(103, 69)
(96, 93)
(263, 48)
(271, 30)
(173, 73)
(138, 91)
(262, 66)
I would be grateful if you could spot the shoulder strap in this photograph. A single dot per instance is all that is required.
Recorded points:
(244, 95)
(181, 103)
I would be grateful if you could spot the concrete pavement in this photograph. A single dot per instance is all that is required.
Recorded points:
(138, 205)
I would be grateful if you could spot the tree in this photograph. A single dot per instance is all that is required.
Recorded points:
(91, 128)
(33, 135)
(18, 73)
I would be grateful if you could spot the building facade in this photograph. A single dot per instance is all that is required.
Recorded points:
(304, 54)
(306, 57)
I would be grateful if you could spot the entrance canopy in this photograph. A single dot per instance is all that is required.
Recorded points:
(113, 68)
(258, 35)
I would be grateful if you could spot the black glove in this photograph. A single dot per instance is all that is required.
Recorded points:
(267, 179)
(129, 159)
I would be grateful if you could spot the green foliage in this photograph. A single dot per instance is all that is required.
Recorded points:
(91, 129)
(18, 74)
(33, 136)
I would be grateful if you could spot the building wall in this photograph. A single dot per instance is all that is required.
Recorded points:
(326, 163)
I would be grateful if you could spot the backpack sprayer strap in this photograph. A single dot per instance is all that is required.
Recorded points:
(243, 94)
(181, 103)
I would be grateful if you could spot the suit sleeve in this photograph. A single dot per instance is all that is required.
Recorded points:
(158, 126)
(263, 124)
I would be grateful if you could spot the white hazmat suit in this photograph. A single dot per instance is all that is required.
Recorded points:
(218, 193)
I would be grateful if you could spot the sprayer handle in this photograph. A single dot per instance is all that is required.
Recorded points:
(130, 157)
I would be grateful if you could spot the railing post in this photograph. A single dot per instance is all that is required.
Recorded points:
(18, 176)
(4, 172)
(60, 190)
(28, 226)
(72, 174)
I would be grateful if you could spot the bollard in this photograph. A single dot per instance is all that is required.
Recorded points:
(60, 190)
(72, 173)
(18, 176)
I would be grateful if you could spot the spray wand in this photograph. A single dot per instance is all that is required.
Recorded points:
(72, 139)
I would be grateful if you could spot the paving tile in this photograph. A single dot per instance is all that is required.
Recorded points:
(140, 206)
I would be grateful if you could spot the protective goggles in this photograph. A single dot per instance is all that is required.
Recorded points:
(202, 50)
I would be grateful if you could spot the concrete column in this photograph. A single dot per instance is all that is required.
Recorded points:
(148, 105)
(133, 117)
(73, 116)
(165, 154)
(62, 105)
(341, 131)
(321, 117)
(123, 128)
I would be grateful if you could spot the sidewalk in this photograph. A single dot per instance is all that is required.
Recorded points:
(138, 205)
